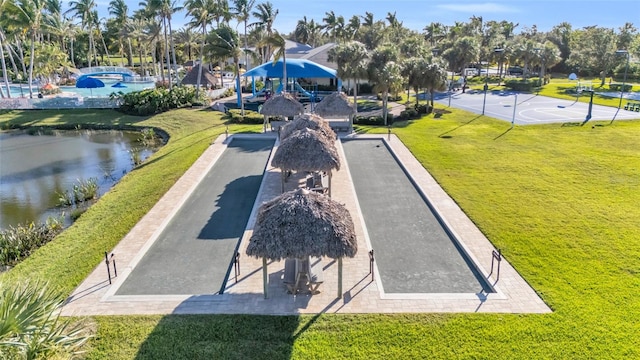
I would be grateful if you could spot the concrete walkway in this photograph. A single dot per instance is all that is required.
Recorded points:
(360, 294)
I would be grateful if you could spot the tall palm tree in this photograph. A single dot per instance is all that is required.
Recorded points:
(119, 10)
(385, 73)
(302, 31)
(265, 16)
(4, 8)
(278, 43)
(351, 58)
(242, 9)
(202, 13)
(164, 9)
(85, 10)
(224, 43)
(31, 16)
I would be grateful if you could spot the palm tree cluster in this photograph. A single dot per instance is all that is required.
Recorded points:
(38, 39)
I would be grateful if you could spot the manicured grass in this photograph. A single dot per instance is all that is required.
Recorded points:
(560, 201)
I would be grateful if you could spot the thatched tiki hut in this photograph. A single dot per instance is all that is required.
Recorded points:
(308, 121)
(336, 105)
(306, 150)
(283, 104)
(207, 79)
(298, 224)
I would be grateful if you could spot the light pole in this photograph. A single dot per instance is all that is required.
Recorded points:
(624, 79)
(486, 80)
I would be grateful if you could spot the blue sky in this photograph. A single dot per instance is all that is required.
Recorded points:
(416, 14)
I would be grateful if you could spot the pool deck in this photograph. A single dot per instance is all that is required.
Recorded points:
(360, 293)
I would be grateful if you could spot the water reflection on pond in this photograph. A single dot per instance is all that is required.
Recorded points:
(36, 168)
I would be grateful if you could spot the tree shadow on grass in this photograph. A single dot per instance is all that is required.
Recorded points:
(446, 134)
(221, 337)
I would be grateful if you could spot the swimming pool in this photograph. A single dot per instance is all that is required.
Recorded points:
(18, 90)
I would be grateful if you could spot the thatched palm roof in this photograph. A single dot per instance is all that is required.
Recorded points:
(336, 104)
(191, 78)
(283, 104)
(306, 150)
(308, 121)
(300, 223)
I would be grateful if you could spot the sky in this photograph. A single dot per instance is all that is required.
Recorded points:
(416, 14)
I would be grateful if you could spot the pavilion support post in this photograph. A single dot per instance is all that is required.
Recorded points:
(329, 183)
(283, 175)
(264, 124)
(265, 277)
(339, 278)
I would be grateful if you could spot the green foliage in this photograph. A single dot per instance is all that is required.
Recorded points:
(30, 326)
(520, 85)
(375, 120)
(18, 242)
(250, 117)
(423, 108)
(153, 101)
(407, 114)
(617, 87)
(82, 191)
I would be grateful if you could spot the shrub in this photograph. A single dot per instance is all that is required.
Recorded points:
(408, 114)
(18, 242)
(376, 120)
(617, 87)
(153, 101)
(365, 89)
(423, 108)
(520, 85)
(250, 117)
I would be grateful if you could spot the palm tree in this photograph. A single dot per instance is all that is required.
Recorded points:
(30, 16)
(266, 16)
(31, 327)
(85, 10)
(164, 9)
(242, 9)
(224, 43)
(119, 9)
(302, 31)
(351, 58)
(4, 8)
(202, 12)
(278, 43)
(435, 78)
(385, 73)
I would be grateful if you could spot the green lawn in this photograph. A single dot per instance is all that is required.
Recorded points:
(560, 201)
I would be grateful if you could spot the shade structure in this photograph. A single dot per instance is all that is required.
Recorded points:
(89, 83)
(118, 85)
(283, 104)
(308, 121)
(300, 223)
(191, 78)
(306, 150)
(296, 68)
(335, 105)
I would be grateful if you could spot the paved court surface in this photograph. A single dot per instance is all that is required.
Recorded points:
(360, 292)
(193, 253)
(532, 109)
(413, 251)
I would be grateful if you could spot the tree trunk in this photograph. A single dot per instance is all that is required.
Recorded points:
(385, 99)
(4, 71)
(73, 61)
(239, 88)
(199, 78)
(106, 51)
(33, 47)
(130, 53)
(173, 50)
(166, 52)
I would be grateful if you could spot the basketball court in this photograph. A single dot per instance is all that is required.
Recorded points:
(530, 109)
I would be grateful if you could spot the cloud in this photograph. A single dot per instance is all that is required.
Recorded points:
(484, 8)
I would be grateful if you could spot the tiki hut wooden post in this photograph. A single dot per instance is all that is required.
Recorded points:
(336, 105)
(265, 278)
(283, 104)
(298, 224)
(306, 150)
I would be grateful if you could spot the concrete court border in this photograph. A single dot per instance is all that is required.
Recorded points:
(360, 294)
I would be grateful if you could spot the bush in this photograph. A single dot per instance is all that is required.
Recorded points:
(520, 85)
(390, 97)
(423, 108)
(377, 120)
(408, 114)
(250, 117)
(154, 101)
(18, 242)
(617, 87)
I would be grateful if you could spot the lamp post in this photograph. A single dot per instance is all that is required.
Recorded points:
(486, 80)
(624, 79)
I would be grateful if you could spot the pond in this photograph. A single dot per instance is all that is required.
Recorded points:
(36, 168)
